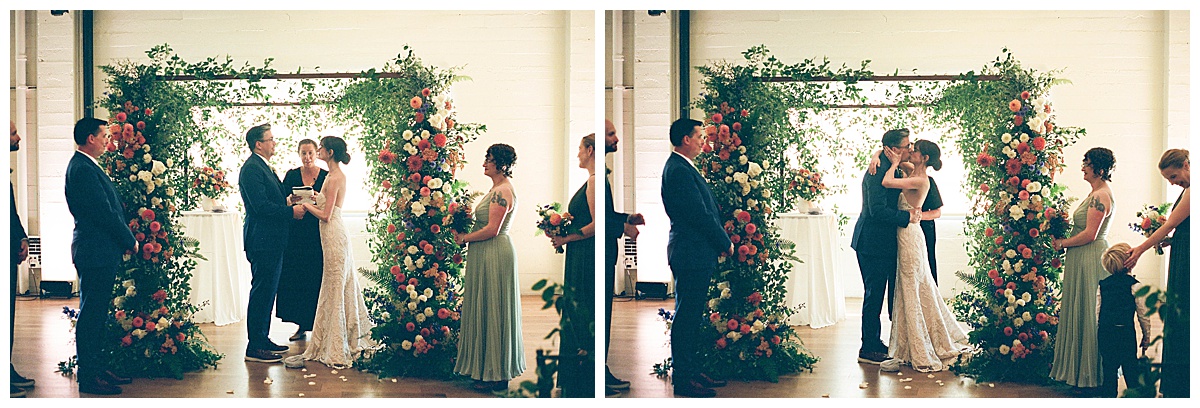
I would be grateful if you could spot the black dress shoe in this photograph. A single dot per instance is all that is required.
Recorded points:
(298, 336)
(114, 379)
(871, 357)
(704, 380)
(275, 348)
(262, 356)
(614, 383)
(97, 386)
(694, 389)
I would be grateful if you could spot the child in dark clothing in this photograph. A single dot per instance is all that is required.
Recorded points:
(1116, 333)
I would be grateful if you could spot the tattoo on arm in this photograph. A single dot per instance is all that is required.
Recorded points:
(499, 200)
(1099, 206)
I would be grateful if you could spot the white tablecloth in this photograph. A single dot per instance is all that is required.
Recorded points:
(815, 282)
(224, 279)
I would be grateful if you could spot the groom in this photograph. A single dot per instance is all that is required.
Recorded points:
(874, 243)
(265, 235)
(100, 238)
(695, 241)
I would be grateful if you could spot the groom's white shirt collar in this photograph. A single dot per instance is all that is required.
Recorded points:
(688, 160)
(90, 157)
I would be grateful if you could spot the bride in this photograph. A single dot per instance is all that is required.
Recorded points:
(924, 332)
(341, 328)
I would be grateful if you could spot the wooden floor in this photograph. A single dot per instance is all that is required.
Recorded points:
(43, 339)
(639, 341)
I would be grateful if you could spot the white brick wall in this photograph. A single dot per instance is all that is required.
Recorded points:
(532, 71)
(57, 108)
(1129, 73)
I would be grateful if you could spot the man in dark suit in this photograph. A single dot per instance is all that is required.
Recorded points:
(100, 240)
(19, 250)
(696, 240)
(265, 235)
(874, 243)
(616, 224)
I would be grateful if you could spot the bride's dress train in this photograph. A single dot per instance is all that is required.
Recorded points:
(924, 331)
(342, 328)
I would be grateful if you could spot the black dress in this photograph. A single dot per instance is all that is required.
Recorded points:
(933, 201)
(300, 281)
(576, 373)
(1177, 351)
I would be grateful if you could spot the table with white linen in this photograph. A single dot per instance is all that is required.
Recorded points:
(815, 282)
(223, 280)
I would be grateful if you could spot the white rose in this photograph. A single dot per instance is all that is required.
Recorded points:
(410, 288)
(1016, 212)
(408, 263)
(1045, 190)
(447, 187)
(1009, 310)
(751, 202)
(125, 257)
(754, 170)
(1010, 299)
(1014, 144)
(1010, 253)
(1003, 349)
(422, 298)
(408, 134)
(983, 319)
(742, 149)
(139, 333)
(1026, 316)
(130, 291)
(424, 134)
(1021, 303)
(1018, 322)
(155, 201)
(444, 166)
(428, 292)
(728, 170)
(745, 189)
(170, 163)
(754, 183)
(435, 184)
(741, 177)
(758, 326)
(158, 167)
(428, 312)
(170, 191)
(420, 318)
(146, 157)
(728, 179)
(133, 168)
(766, 194)
(1008, 151)
(385, 316)
(412, 306)
(163, 322)
(412, 249)
(1024, 138)
(1027, 297)
(1034, 187)
(1016, 342)
(418, 208)
(420, 262)
(712, 303)
(1006, 138)
(412, 295)
(407, 345)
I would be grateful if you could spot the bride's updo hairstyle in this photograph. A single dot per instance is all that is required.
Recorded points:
(503, 156)
(932, 150)
(337, 148)
(1174, 158)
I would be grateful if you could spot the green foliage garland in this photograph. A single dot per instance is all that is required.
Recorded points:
(1013, 150)
(414, 147)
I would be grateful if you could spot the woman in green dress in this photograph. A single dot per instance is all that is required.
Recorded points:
(1176, 355)
(576, 357)
(1076, 353)
(490, 348)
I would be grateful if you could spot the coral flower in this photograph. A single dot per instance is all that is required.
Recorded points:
(717, 118)
(1024, 95)
(1014, 106)
(1039, 142)
(415, 102)
(1018, 120)
(120, 117)
(985, 160)
(737, 126)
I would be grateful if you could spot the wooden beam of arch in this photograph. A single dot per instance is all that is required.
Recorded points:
(883, 78)
(326, 75)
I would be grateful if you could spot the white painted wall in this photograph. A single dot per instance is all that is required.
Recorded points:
(533, 84)
(1129, 73)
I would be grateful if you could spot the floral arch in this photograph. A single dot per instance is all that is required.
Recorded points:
(761, 113)
(401, 113)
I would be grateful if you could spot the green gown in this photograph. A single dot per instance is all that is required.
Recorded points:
(490, 346)
(1076, 353)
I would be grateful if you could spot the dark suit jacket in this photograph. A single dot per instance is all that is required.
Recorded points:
(875, 231)
(696, 237)
(16, 231)
(614, 227)
(268, 215)
(101, 234)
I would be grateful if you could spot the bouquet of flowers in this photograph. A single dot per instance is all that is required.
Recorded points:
(460, 218)
(805, 183)
(210, 182)
(554, 223)
(1152, 218)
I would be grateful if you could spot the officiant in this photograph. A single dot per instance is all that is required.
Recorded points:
(300, 280)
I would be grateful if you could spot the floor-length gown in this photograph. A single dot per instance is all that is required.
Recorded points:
(924, 332)
(576, 373)
(490, 346)
(1076, 352)
(300, 281)
(1177, 351)
(342, 328)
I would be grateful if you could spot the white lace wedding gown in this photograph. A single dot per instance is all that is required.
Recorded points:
(341, 328)
(924, 333)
